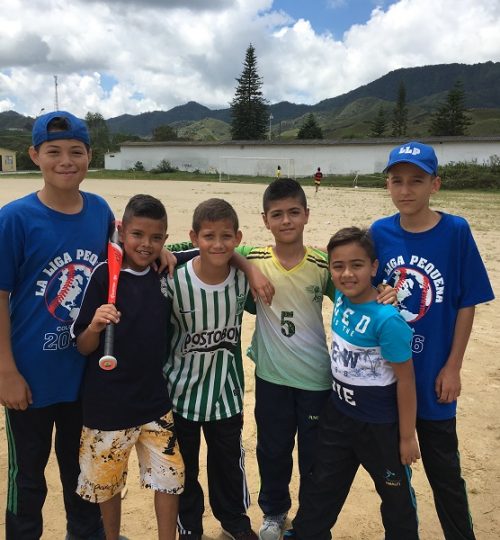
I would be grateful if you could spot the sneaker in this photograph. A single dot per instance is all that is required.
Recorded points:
(241, 535)
(272, 526)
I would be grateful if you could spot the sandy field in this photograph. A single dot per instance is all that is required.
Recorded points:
(479, 407)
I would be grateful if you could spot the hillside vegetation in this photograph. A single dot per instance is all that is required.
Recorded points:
(348, 116)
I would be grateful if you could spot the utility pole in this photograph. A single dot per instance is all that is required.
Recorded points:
(270, 120)
(56, 97)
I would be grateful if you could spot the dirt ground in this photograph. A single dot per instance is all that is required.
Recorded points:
(331, 208)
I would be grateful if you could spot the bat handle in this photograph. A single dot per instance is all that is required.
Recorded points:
(108, 361)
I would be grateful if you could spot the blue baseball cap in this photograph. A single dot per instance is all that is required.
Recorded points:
(77, 129)
(421, 155)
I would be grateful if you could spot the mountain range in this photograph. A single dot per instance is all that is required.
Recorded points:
(346, 116)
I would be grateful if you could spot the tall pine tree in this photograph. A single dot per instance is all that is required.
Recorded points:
(249, 109)
(451, 117)
(400, 113)
(379, 124)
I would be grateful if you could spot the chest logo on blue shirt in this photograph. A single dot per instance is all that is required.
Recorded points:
(418, 284)
(63, 283)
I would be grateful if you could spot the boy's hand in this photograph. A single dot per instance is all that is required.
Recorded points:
(14, 391)
(409, 450)
(260, 286)
(448, 384)
(167, 260)
(386, 294)
(105, 314)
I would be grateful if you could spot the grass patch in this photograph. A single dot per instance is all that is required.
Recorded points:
(455, 177)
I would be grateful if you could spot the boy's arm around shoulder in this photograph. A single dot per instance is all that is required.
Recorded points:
(260, 286)
(174, 255)
(14, 390)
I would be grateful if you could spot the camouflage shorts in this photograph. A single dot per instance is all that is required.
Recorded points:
(104, 459)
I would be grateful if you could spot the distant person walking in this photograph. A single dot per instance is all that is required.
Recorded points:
(278, 172)
(318, 176)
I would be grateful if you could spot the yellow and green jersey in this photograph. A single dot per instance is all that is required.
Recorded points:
(289, 343)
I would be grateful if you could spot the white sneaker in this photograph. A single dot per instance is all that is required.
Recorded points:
(272, 526)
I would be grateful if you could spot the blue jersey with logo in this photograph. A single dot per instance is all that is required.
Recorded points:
(435, 273)
(47, 259)
(366, 339)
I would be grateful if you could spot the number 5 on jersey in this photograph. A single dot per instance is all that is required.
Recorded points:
(287, 326)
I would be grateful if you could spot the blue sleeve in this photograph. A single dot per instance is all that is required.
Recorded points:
(12, 240)
(395, 338)
(475, 284)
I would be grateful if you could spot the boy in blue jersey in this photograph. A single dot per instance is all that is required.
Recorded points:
(432, 261)
(51, 240)
(370, 417)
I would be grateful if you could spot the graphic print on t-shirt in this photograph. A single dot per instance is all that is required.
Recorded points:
(418, 284)
(62, 283)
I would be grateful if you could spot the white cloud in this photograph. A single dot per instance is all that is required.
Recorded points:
(164, 54)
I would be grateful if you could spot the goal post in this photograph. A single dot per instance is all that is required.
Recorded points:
(231, 167)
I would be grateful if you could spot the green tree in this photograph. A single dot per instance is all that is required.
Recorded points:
(379, 124)
(451, 117)
(99, 137)
(310, 129)
(164, 133)
(400, 113)
(249, 110)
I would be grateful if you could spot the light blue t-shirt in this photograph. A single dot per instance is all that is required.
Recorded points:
(366, 339)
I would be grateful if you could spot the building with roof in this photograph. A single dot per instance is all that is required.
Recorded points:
(7, 160)
(297, 158)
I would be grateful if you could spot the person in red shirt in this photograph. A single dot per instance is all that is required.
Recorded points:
(318, 175)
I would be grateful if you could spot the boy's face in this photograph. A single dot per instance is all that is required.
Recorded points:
(286, 219)
(352, 271)
(63, 162)
(216, 241)
(411, 188)
(143, 239)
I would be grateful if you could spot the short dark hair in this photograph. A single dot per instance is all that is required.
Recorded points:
(283, 188)
(59, 123)
(145, 206)
(353, 235)
(214, 210)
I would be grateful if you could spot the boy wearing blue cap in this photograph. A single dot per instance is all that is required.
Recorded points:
(51, 241)
(432, 261)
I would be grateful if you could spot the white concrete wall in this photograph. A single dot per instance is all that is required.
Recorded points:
(334, 158)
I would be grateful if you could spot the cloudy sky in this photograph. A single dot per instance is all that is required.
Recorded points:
(132, 56)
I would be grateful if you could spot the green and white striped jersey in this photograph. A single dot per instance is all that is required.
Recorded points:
(204, 369)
